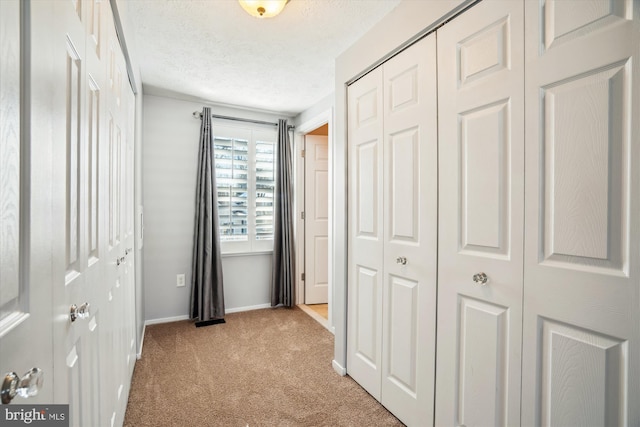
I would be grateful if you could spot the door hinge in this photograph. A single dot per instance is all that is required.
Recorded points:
(302, 153)
(301, 215)
(303, 277)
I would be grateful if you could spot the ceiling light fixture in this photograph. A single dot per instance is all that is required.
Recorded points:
(263, 8)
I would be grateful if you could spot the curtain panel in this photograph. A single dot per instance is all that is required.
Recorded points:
(207, 294)
(283, 272)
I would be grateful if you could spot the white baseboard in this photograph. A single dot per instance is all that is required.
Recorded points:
(166, 320)
(339, 369)
(247, 308)
(186, 317)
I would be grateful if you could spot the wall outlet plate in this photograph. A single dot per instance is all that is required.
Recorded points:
(180, 280)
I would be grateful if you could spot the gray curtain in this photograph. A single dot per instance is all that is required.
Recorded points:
(283, 272)
(207, 296)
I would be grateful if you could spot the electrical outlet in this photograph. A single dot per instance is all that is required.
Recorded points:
(180, 280)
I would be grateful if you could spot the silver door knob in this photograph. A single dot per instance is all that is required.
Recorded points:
(25, 387)
(81, 312)
(480, 278)
(401, 260)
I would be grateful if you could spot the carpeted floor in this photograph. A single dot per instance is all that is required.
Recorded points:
(261, 368)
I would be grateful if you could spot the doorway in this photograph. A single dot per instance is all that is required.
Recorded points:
(314, 207)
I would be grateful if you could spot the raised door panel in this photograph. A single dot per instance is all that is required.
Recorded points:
(410, 233)
(481, 164)
(581, 330)
(484, 154)
(365, 239)
(483, 342)
(583, 376)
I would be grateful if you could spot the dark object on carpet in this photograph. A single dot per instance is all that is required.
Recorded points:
(269, 367)
(209, 322)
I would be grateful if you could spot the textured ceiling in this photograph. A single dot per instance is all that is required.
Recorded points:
(214, 51)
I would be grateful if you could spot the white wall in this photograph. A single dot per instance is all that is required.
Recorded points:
(169, 178)
(408, 19)
(326, 103)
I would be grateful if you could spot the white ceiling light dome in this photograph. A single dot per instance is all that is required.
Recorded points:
(263, 8)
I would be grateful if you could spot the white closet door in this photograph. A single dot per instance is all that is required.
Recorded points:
(78, 251)
(581, 362)
(365, 247)
(92, 202)
(481, 151)
(410, 233)
(25, 199)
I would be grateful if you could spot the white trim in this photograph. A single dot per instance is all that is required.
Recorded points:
(299, 145)
(165, 320)
(139, 354)
(338, 368)
(247, 308)
(186, 317)
(324, 322)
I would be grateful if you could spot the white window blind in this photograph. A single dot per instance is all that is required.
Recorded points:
(245, 180)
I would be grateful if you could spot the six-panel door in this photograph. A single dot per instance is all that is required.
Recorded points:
(481, 164)
(316, 221)
(410, 233)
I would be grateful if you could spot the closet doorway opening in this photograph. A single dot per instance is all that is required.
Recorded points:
(314, 218)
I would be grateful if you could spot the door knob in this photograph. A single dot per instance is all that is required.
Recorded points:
(480, 278)
(81, 312)
(401, 260)
(25, 387)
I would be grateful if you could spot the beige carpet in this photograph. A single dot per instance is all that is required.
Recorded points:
(262, 368)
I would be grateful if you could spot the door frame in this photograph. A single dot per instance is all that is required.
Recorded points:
(322, 118)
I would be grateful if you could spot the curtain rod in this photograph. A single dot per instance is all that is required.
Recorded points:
(198, 115)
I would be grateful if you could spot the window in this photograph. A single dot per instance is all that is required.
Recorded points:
(245, 180)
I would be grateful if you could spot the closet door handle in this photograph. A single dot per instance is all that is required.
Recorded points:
(480, 278)
(401, 260)
(26, 386)
(82, 312)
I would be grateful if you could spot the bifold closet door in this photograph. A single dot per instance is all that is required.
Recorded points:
(481, 202)
(393, 232)
(410, 233)
(366, 241)
(581, 352)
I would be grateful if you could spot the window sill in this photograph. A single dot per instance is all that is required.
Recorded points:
(244, 254)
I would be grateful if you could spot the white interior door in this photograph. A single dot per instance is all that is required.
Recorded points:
(410, 233)
(481, 148)
(316, 220)
(581, 353)
(25, 195)
(365, 239)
